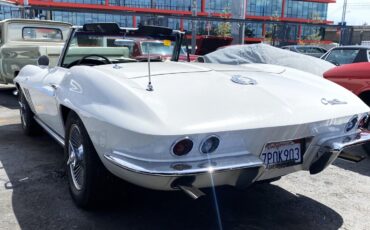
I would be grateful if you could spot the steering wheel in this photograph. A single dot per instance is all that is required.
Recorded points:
(107, 61)
(92, 61)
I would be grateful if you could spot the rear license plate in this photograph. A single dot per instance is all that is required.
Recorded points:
(282, 154)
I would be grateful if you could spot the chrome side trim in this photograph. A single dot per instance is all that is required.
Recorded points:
(175, 169)
(337, 145)
(330, 149)
(53, 134)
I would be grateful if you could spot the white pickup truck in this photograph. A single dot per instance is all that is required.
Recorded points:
(23, 41)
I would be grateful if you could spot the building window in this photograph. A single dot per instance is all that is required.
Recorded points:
(306, 10)
(7, 12)
(77, 18)
(264, 7)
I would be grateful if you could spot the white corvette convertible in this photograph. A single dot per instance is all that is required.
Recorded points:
(168, 125)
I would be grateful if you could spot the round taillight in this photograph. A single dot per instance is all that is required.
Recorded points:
(182, 147)
(351, 123)
(364, 122)
(210, 144)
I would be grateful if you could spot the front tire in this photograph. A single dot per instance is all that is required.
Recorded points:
(29, 125)
(86, 173)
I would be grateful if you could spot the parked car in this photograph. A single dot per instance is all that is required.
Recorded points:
(354, 77)
(266, 54)
(23, 41)
(314, 51)
(207, 43)
(347, 54)
(139, 47)
(181, 126)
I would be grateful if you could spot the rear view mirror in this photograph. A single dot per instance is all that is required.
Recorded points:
(43, 61)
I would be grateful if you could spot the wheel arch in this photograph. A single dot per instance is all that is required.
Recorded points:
(18, 87)
(64, 112)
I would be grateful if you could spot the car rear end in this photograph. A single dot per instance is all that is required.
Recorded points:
(235, 158)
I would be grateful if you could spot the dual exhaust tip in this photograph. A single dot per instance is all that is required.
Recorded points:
(185, 185)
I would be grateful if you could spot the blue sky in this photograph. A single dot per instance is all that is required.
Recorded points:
(358, 12)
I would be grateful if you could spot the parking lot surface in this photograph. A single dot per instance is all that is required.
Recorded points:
(34, 194)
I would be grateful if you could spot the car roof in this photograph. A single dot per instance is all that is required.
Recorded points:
(352, 47)
(303, 46)
(33, 21)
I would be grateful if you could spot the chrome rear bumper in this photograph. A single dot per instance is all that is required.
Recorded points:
(239, 171)
(330, 149)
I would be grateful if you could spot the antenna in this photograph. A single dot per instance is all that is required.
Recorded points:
(150, 86)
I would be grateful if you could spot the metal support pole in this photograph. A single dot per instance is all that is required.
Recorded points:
(238, 11)
(342, 26)
(193, 26)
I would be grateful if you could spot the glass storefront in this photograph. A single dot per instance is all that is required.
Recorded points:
(270, 8)
(82, 18)
(7, 12)
(218, 6)
(306, 10)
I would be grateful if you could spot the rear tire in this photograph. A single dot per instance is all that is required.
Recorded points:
(29, 125)
(86, 173)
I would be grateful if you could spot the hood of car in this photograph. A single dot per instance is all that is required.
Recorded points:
(141, 70)
(209, 98)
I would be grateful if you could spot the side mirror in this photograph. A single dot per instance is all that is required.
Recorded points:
(43, 61)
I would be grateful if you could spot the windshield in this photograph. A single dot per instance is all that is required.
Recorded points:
(89, 48)
(342, 56)
(158, 47)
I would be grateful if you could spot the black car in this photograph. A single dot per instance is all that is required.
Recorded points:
(347, 54)
(314, 51)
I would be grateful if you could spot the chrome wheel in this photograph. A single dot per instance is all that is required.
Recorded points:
(76, 158)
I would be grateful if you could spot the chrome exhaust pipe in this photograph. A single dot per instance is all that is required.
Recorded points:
(191, 191)
(15, 92)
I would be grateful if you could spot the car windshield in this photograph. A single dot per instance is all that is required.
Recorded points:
(342, 56)
(92, 48)
(158, 47)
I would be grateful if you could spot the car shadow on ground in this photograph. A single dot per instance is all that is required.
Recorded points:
(7, 98)
(41, 200)
(362, 167)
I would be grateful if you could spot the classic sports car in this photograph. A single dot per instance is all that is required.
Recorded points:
(354, 77)
(266, 54)
(181, 126)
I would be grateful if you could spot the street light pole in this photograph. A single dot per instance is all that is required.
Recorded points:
(342, 26)
(238, 11)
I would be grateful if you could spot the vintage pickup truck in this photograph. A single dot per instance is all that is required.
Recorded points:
(23, 41)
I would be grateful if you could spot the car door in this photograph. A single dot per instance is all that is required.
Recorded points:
(47, 105)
